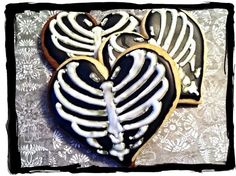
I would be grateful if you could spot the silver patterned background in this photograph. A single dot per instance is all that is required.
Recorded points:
(191, 135)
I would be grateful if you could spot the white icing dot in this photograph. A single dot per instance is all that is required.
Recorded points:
(104, 21)
(94, 77)
(116, 72)
(103, 152)
(89, 23)
(197, 72)
(152, 31)
(137, 144)
(138, 39)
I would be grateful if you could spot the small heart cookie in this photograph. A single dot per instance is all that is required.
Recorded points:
(178, 34)
(115, 112)
(70, 34)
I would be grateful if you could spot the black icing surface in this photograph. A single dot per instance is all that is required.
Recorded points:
(58, 55)
(86, 68)
(167, 102)
(80, 21)
(153, 19)
(124, 39)
(127, 40)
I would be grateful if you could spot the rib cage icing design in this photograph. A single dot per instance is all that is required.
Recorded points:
(77, 33)
(175, 33)
(119, 107)
(179, 35)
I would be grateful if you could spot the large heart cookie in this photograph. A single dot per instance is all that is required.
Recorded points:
(178, 35)
(115, 112)
(70, 34)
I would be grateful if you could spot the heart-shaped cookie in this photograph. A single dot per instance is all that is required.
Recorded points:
(116, 112)
(70, 34)
(178, 35)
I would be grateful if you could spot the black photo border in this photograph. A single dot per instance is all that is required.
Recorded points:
(14, 161)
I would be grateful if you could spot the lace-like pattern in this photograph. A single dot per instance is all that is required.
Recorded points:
(193, 135)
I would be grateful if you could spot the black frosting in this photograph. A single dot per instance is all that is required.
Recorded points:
(154, 19)
(126, 40)
(58, 55)
(84, 69)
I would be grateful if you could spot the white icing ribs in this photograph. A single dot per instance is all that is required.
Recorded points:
(109, 117)
(174, 32)
(75, 38)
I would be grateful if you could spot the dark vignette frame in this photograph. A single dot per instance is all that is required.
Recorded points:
(14, 162)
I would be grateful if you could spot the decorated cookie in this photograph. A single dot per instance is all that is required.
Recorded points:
(70, 34)
(117, 43)
(175, 33)
(116, 112)
(181, 38)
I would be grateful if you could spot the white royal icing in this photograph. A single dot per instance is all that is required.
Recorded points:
(70, 52)
(115, 119)
(115, 73)
(163, 26)
(79, 120)
(73, 107)
(66, 30)
(139, 39)
(133, 24)
(72, 18)
(171, 31)
(94, 143)
(181, 56)
(124, 19)
(90, 40)
(192, 63)
(112, 127)
(140, 132)
(152, 33)
(69, 90)
(94, 77)
(135, 69)
(158, 95)
(71, 69)
(197, 72)
(141, 81)
(137, 144)
(114, 44)
(102, 152)
(192, 88)
(104, 21)
(112, 57)
(87, 134)
(89, 23)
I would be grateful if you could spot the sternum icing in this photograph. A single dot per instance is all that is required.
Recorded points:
(115, 129)
(97, 38)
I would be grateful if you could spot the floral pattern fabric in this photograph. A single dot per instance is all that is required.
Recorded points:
(190, 136)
